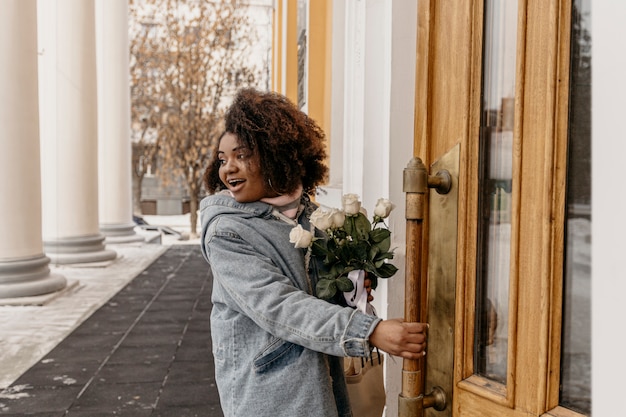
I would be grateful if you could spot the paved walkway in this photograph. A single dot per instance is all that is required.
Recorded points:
(145, 352)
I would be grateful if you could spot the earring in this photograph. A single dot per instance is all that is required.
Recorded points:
(269, 182)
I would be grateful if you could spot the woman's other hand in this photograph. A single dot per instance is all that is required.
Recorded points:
(367, 283)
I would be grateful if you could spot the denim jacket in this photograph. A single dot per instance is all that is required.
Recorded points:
(278, 349)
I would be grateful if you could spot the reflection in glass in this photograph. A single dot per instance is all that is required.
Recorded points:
(575, 390)
(495, 176)
(302, 52)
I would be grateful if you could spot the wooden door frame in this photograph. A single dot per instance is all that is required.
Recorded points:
(541, 122)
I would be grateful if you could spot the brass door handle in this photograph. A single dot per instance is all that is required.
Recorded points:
(436, 399)
(412, 400)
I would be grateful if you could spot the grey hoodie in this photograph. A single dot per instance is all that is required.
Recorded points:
(277, 347)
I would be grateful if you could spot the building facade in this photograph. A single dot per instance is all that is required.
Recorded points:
(496, 94)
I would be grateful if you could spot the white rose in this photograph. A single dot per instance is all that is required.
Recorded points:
(383, 208)
(299, 237)
(338, 218)
(322, 219)
(351, 204)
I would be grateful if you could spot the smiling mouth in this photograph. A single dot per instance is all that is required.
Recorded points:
(235, 182)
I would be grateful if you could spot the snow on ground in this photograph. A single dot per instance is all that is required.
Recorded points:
(30, 330)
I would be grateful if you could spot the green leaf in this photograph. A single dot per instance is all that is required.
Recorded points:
(318, 248)
(331, 245)
(379, 234)
(326, 288)
(359, 250)
(386, 270)
(337, 269)
(362, 226)
(344, 284)
(384, 244)
(382, 256)
(348, 225)
(369, 268)
(374, 251)
(326, 276)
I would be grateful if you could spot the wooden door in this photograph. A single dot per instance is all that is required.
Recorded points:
(493, 98)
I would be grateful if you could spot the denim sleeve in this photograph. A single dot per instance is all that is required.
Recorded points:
(255, 284)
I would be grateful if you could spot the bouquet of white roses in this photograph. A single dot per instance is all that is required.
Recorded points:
(353, 244)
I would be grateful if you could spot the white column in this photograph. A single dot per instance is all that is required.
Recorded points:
(23, 266)
(114, 147)
(354, 96)
(69, 132)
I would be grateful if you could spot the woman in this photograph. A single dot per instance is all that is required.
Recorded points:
(278, 348)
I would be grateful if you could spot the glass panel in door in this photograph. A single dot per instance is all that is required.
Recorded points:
(495, 176)
(575, 387)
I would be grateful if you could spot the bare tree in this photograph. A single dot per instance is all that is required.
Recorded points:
(187, 59)
(145, 65)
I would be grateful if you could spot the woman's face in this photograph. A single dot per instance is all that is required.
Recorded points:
(240, 170)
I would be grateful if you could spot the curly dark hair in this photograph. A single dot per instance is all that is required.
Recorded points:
(290, 144)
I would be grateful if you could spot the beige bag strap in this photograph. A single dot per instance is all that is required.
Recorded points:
(355, 368)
